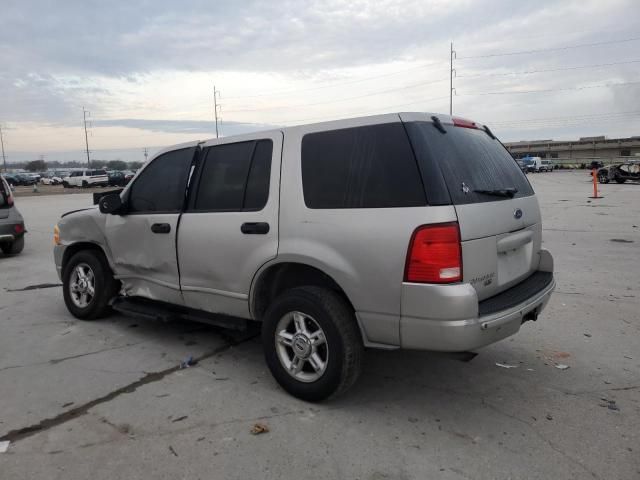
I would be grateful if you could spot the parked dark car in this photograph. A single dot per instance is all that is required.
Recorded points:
(116, 179)
(11, 222)
(17, 179)
(522, 165)
(620, 173)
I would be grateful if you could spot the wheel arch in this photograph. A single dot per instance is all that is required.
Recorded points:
(74, 248)
(275, 278)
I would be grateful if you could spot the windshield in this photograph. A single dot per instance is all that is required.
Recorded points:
(528, 161)
(472, 165)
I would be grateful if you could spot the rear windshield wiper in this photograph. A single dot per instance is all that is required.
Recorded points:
(500, 192)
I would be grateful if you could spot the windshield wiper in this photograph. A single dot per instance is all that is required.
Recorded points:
(500, 192)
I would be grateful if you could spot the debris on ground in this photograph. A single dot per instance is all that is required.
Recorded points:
(172, 450)
(259, 428)
(610, 404)
(588, 335)
(188, 362)
(179, 419)
(549, 417)
(505, 365)
(561, 366)
(4, 446)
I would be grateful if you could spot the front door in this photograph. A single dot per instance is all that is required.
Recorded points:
(143, 239)
(230, 227)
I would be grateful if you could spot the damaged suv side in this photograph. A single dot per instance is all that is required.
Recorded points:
(406, 230)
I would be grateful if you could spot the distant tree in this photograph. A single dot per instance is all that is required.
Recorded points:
(36, 166)
(135, 165)
(116, 165)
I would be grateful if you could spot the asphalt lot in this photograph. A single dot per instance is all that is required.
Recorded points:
(106, 400)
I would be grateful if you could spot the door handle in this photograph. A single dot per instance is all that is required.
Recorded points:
(255, 228)
(160, 228)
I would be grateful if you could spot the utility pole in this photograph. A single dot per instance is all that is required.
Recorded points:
(86, 137)
(146, 154)
(4, 159)
(216, 94)
(452, 71)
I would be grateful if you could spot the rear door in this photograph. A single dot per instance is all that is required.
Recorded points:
(230, 228)
(497, 210)
(143, 239)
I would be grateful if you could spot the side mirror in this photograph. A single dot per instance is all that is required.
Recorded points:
(111, 203)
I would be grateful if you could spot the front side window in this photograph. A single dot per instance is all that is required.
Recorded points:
(361, 167)
(161, 187)
(235, 177)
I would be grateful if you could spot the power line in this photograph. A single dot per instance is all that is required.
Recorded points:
(518, 92)
(379, 110)
(552, 49)
(453, 55)
(338, 84)
(216, 94)
(4, 159)
(379, 92)
(561, 69)
(86, 137)
(591, 115)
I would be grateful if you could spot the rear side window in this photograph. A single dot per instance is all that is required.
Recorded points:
(161, 187)
(235, 177)
(361, 167)
(464, 160)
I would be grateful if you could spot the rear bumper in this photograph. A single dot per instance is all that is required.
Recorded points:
(477, 323)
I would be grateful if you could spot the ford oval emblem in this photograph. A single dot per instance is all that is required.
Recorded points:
(517, 213)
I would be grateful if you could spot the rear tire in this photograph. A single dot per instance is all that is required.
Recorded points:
(13, 248)
(85, 184)
(88, 285)
(312, 343)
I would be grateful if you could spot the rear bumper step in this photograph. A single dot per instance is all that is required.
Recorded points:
(516, 294)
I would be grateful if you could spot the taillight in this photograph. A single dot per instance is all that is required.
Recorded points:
(434, 255)
(56, 235)
(18, 228)
(464, 123)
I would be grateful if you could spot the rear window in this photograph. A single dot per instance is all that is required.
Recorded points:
(464, 160)
(361, 167)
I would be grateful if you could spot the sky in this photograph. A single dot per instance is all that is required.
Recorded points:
(145, 71)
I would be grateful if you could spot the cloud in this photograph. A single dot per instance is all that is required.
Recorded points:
(156, 60)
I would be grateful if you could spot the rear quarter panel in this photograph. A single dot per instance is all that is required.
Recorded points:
(364, 250)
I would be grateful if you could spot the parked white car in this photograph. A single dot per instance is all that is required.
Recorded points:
(86, 178)
(537, 164)
(52, 180)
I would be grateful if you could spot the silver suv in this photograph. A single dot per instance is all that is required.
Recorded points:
(405, 230)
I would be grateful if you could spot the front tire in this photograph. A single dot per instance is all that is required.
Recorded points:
(13, 248)
(312, 344)
(88, 285)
